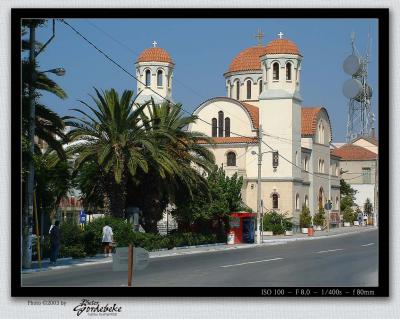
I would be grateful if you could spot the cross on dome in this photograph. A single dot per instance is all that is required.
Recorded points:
(280, 35)
(154, 43)
(259, 36)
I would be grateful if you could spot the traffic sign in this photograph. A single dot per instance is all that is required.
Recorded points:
(141, 258)
(120, 258)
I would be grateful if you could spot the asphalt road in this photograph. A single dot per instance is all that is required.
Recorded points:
(350, 260)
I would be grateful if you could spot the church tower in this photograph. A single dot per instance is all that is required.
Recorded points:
(280, 109)
(154, 69)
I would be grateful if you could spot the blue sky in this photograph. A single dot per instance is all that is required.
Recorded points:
(202, 50)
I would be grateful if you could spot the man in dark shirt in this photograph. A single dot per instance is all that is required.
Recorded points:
(54, 242)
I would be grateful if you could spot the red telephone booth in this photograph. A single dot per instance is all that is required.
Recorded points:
(243, 225)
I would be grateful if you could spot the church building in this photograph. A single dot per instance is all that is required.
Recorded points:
(263, 97)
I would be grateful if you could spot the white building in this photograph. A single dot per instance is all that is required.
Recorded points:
(263, 90)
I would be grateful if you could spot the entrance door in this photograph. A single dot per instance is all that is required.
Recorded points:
(248, 231)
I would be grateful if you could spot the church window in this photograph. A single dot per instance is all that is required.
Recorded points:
(227, 127)
(337, 203)
(275, 71)
(231, 159)
(366, 175)
(237, 90)
(248, 89)
(259, 87)
(337, 169)
(148, 77)
(306, 163)
(288, 71)
(220, 124)
(297, 159)
(159, 78)
(275, 201)
(297, 202)
(306, 200)
(214, 127)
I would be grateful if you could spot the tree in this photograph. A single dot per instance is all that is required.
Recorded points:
(319, 218)
(204, 210)
(347, 195)
(368, 207)
(305, 217)
(154, 190)
(113, 136)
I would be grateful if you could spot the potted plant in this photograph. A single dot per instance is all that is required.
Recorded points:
(287, 224)
(305, 219)
(319, 219)
(348, 216)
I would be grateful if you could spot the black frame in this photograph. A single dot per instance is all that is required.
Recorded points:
(17, 14)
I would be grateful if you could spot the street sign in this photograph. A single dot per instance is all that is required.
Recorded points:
(275, 159)
(140, 258)
(82, 217)
(328, 205)
(120, 258)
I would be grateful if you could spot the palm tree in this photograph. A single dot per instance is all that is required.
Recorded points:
(154, 191)
(113, 137)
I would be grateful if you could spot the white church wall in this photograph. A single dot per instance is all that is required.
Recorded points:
(240, 120)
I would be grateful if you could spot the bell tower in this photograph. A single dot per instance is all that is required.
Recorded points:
(154, 69)
(280, 109)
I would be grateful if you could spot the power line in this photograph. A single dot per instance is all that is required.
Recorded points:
(134, 77)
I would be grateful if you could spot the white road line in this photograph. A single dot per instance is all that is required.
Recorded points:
(328, 251)
(367, 244)
(251, 262)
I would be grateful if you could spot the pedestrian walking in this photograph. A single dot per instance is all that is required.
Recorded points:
(54, 242)
(107, 240)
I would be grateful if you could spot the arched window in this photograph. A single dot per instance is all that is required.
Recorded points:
(297, 202)
(220, 124)
(231, 159)
(337, 169)
(275, 201)
(237, 90)
(322, 166)
(227, 127)
(259, 87)
(148, 78)
(306, 163)
(275, 71)
(248, 84)
(321, 198)
(306, 200)
(337, 203)
(214, 127)
(297, 159)
(159, 78)
(288, 71)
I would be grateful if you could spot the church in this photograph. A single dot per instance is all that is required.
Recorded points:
(263, 102)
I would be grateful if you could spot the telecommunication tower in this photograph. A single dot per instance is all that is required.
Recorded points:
(360, 120)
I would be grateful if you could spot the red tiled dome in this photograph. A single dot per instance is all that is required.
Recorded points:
(282, 46)
(248, 59)
(154, 55)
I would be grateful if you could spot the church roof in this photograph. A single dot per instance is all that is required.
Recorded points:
(371, 140)
(309, 120)
(248, 60)
(349, 152)
(154, 55)
(282, 46)
(231, 140)
(253, 112)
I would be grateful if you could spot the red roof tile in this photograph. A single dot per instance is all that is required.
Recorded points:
(248, 59)
(349, 152)
(231, 140)
(154, 55)
(253, 112)
(282, 46)
(309, 120)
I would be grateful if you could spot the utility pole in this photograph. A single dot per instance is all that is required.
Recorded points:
(28, 213)
(375, 220)
(258, 232)
(329, 199)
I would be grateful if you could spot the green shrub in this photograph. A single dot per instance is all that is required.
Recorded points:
(74, 251)
(70, 234)
(319, 218)
(277, 223)
(305, 217)
(349, 215)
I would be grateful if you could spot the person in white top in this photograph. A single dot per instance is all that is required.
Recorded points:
(107, 240)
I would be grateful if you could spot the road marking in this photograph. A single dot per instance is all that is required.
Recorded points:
(251, 262)
(367, 244)
(328, 251)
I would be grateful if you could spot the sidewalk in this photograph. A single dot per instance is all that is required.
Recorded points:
(63, 263)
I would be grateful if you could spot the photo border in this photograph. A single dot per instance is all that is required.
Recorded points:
(382, 14)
